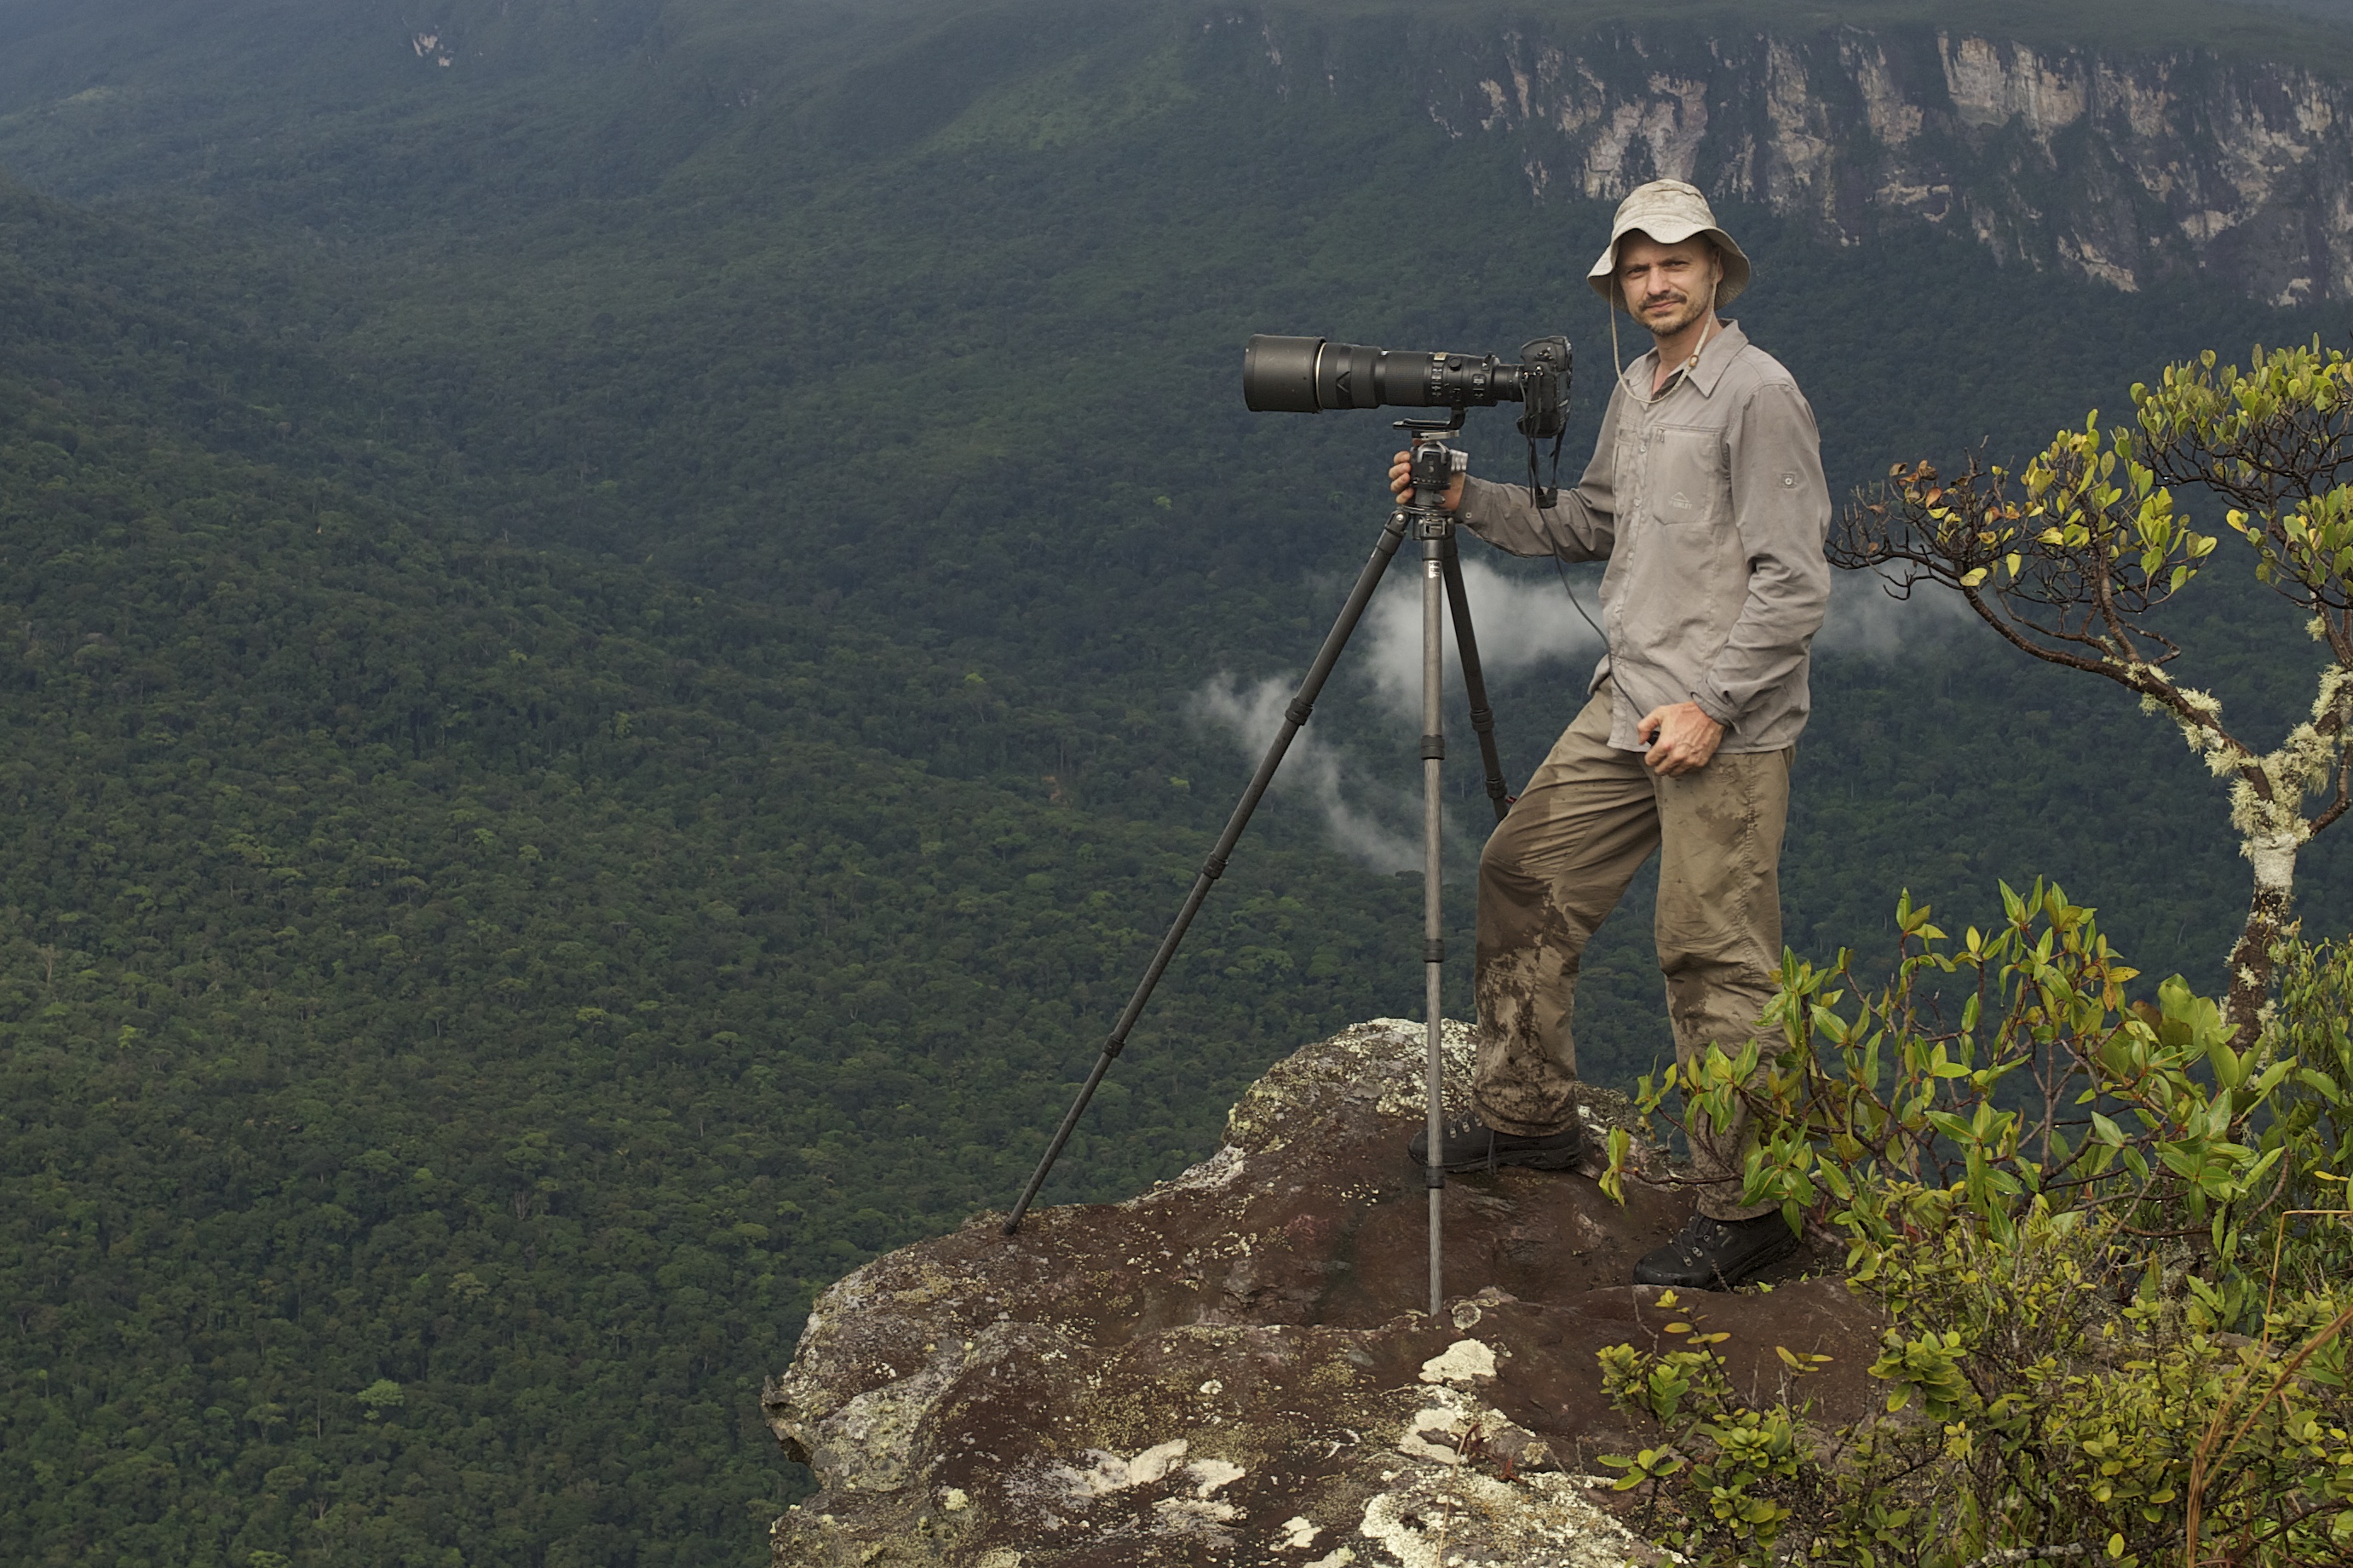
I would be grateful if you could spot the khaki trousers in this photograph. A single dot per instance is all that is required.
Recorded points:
(1559, 862)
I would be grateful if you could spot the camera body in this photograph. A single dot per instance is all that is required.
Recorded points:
(1308, 376)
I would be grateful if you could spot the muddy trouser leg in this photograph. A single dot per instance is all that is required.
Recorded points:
(1557, 864)
(1719, 929)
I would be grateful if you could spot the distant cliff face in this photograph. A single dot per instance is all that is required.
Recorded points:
(2121, 167)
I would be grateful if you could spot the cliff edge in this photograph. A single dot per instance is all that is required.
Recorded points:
(1233, 1367)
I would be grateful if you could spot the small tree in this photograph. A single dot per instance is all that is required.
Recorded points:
(2070, 561)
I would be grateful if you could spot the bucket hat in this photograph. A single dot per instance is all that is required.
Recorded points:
(1669, 211)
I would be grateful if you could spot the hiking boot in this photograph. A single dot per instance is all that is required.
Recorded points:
(1717, 1254)
(1473, 1145)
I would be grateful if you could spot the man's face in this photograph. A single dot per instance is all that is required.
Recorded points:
(1667, 287)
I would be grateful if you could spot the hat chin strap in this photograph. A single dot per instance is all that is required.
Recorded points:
(1711, 321)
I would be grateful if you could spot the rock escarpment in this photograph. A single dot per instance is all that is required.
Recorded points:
(2119, 164)
(1231, 1368)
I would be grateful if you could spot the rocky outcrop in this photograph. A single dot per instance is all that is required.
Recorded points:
(1231, 1367)
(2118, 165)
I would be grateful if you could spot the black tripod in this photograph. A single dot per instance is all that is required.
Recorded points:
(1434, 465)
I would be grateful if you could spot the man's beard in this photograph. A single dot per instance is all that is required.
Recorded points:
(1666, 325)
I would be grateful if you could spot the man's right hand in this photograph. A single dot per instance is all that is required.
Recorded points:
(1401, 483)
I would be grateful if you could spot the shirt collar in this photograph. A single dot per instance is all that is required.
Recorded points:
(1714, 358)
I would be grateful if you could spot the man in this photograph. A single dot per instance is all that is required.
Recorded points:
(1705, 495)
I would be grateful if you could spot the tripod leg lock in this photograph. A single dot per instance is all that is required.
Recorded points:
(1433, 747)
(1298, 711)
(1433, 950)
(1214, 867)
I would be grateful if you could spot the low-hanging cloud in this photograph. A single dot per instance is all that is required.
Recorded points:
(1313, 770)
(1519, 623)
(1865, 618)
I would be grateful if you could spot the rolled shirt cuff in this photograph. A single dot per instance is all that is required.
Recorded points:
(1715, 708)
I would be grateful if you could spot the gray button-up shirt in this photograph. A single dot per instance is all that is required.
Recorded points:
(1708, 503)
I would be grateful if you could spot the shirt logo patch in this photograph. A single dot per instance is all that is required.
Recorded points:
(1681, 500)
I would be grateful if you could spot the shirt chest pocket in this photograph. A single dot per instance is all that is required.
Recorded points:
(1685, 484)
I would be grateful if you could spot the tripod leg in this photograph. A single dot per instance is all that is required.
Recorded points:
(1384, 551)
(1474, 682)
(1433, 929)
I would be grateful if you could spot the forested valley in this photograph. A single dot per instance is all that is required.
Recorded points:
(609, 642)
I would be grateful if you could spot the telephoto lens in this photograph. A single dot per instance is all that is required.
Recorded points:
(1308, 376)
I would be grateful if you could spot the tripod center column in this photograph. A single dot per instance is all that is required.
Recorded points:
(1434, 467)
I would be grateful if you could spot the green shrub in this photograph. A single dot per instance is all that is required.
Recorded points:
(2107, 1245)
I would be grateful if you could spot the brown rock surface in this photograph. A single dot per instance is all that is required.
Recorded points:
(1232, 1368)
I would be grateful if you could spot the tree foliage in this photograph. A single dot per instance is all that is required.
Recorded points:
(2073, 561)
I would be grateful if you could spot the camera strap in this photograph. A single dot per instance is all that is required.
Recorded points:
(1544, 496)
